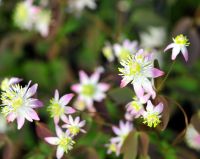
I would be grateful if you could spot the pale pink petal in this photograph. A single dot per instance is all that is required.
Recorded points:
(64, 118)
(33, 114)
(83, 77)
(56, 95)
(95, 77)
(156, 72)
(117, 49)
(20, 122)
(59, 131)
(82, 123)
(99, 96)
(147, 85)
(64, 100)
(31, 91)
(169, 46)
(77, 119)
(11, 117)
(14, 80)
(91, 108)
(138, 90)
(103, 87)
(76, 88)
(116, 130)
(56, 120)
(71, 119)
(124, 82)
(150, 106)
(52, 140)
(175, 52)
(159, 108)
(69, 110)
(59, 152)
(143, 99)
(35, 103)
(185, 53)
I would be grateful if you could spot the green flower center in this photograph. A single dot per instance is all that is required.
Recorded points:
(74, 130)
(134, 68)
(135, 105)
(152, 120)
(112, 147)
(66, 143)
(88, 90)
(55, 108)
(181, 40)
(17, 103)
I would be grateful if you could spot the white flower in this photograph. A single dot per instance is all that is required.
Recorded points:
(152, 114)
(80, 5)
(154, 38)
(139, 70)
(179, 45)
(63, 140)
(18, 104)
(113, 147)
(58, 108)
(74, 126)
(192, 137)
(125, 50)
(89, 90)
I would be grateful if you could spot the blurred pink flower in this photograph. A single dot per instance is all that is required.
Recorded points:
(89, 90)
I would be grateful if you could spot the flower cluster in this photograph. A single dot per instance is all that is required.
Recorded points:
(30, 17)
(58, 109)
(121, 133)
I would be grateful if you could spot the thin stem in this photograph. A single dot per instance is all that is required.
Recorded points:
(163, 81)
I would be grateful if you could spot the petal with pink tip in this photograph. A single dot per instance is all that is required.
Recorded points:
(14, 80)
(52, 140)
(156, 72)
(33, 114)
(64, 118)
(185, 53)
(76, 88)
(175, 52)
(159, 108)
(32, 90)
(116, 130)
(169, 46)
(56, 120)
(35, 103)
(64, 100)
(20, 122)
(99, 96)
(83, 77)
(56, 95)
(103, 87)
(124, 82)
(69, 110)
(150, 106)
(59, 131)
(95, 77)
(59, 152)
(138, 90)
(11, 117)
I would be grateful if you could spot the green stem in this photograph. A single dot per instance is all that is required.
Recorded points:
(163, 81)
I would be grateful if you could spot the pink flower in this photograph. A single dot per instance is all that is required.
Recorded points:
(58, 107)
(89, 89)
(63, 141)
(18, 104)
(179, 45)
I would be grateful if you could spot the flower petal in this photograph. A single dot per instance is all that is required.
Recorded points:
(103, 86)
(35, 103)
(185, 53)
(32, 90)
(69, 110)
(156, 72)
(138, 90)
(64, 100)
(76, 88)
(33, 114)
(59, 152)
(20, 122)
(56, 95)
(159, 108)
(169, 46)
(95, 77)
(150, 106)
(175, 52)
(83, 77)
(52, 140)
(11, 117)
(59, 131)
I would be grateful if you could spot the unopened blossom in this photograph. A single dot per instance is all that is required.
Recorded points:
(108, 53)
(74, 126)
(122, 52)
(17, 103)
(192, 137)
(80, 5)
(58, 107)
(63, 141)
(122, 132)
(89, 89)
(7, 82)
(153, 38)
(135, 108)
(113, 147)
(179, 44)
(152, 114)
(139, 70)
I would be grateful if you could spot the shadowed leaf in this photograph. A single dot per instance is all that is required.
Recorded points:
(143, 144)
(42, 130)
